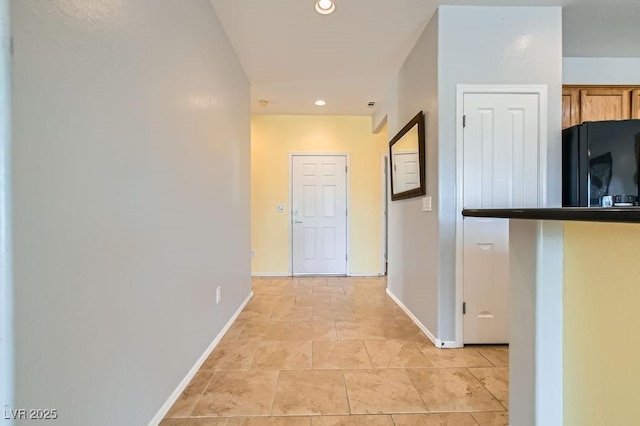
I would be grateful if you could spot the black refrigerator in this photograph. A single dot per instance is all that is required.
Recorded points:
(600, 164)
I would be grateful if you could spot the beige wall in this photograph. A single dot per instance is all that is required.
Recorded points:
(272, 139)
(601, 339)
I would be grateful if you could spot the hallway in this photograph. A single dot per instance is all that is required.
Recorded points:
(338, 351)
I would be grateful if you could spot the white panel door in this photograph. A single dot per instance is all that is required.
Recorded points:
(407, 171)
(500, 170)
(319, 214)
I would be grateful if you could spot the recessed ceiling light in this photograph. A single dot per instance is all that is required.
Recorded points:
(325, 7)
(320, 102)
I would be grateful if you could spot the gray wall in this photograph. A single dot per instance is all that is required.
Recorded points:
(6, 298)
(130, 198)
(413, 234)
(492, 45)
(461, 45)
(601, 71)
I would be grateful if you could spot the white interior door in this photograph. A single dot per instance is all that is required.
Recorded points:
(500, 170)
(319, 214)
(407, 170)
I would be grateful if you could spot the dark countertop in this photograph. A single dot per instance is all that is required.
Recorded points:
(583, 214)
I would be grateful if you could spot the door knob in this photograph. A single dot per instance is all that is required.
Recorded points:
(297, 221)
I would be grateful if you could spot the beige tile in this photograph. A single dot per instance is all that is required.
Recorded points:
(269, 421)
(328, 291)
(300, 330)
(340, 355)
(313, 282)
(359, 330)
(338, 282)
(292, 313)
(313, 301)
(280, 299)
(497, 355)
(396, 354)
(270, 290)
(380, 420)
(297, 291)
(311, 393)
(341, 300)
(333, 313)
(285, 281)
(233, 332)
(495, 380)
(282, 356)
(402, 330)
(492, 419)
(185, 403)
(253, 331)
(234, 355)
(260, 305)
(452, 389)
(452, 358)
(448, 419)
(211, 421)
(238, 393)
(382, 391)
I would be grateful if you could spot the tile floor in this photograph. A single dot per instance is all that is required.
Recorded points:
(338, 351)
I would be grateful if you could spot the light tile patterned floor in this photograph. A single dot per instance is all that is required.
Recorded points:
(338, 351)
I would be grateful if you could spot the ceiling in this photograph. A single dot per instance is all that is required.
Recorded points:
(293, 56)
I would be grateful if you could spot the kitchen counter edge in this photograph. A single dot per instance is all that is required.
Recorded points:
(583, 214)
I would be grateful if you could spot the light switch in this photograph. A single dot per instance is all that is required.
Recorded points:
(280, 208)
(426, 204)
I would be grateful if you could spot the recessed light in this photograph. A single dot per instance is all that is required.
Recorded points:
(325, 7)
(320, 102)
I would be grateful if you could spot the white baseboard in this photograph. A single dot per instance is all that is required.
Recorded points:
(442, 344)
(185, 382)
(271, 274)
(286, 274)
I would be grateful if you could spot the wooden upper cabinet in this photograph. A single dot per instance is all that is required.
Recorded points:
(605, 104)
(597, 103)
(570, 108)
(635, 104)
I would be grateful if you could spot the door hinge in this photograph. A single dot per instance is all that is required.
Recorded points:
(11, 49)
(346, 256)
(464, 308)
(464, 121)
(346, 169)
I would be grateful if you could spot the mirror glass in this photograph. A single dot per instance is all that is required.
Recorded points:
(406, 154)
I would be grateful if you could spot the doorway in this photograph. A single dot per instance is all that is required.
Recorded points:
(319, 204)
(501, 164)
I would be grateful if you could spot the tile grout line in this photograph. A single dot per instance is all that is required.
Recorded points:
(485, 388)
(417, 391)
(275, 391)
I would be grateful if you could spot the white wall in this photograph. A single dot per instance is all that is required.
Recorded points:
(413, 234)
(131, 201)
(601, 71)
(491, 45)
(461, 45)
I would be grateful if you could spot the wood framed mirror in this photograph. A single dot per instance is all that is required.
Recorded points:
(406, 155)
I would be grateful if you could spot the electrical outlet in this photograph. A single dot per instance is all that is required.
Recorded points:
(218, 294)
